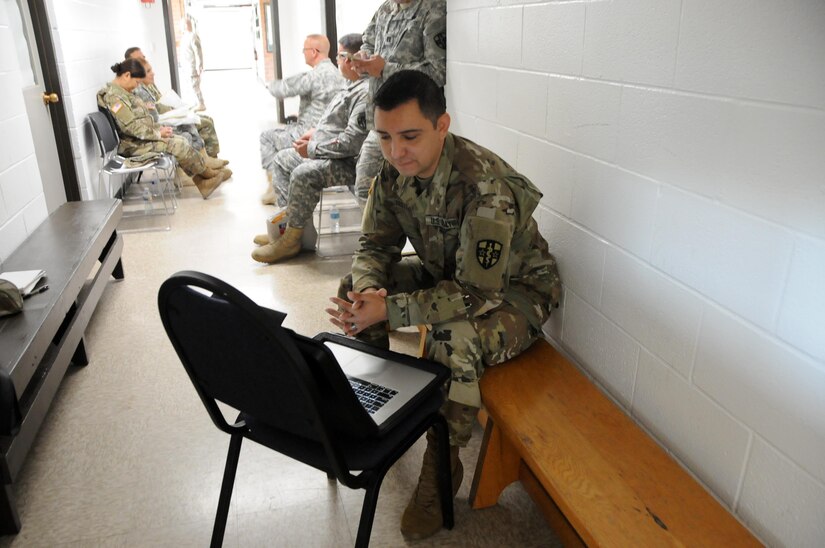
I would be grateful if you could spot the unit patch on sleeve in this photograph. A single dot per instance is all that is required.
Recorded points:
(488, 252)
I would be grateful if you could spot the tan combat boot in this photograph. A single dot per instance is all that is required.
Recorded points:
(261, 239)
(422, 517)
(185, 180)
(285, 247)
(227, 173)
(207, 184)
(269, 197)
(212, 161)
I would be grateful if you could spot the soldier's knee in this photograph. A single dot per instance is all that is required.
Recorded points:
(453, 341)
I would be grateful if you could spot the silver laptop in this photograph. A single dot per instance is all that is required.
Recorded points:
(383, 386)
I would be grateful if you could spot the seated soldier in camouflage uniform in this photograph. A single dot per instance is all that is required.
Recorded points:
(324, 156)
(315, 87)
(206, 126)
(140, 136)
(483, 278)
(187, 131)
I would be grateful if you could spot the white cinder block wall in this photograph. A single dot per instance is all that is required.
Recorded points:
(680, 147)
(89, 37)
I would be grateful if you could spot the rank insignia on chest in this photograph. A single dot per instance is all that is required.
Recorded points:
(488, 252)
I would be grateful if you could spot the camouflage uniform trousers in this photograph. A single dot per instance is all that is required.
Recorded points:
(196, 85)
(275, 140)
(466, 346)
(206, 129)
(190, 133)
(298, 182)
(369, 164)
(188, 158)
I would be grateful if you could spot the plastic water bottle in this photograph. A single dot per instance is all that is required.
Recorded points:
(335, 220)
(147, 200)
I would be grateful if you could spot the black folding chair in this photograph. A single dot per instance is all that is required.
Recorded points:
(238, 353)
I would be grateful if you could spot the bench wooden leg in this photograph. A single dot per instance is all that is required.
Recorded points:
(497, 467)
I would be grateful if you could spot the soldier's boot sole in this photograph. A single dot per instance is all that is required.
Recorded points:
(207, 186)
(422, 516)
(285, 247)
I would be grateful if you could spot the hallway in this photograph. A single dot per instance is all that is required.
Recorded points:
(128, 455)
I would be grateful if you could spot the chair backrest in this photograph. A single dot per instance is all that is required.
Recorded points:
(107, 138)
(238, 353)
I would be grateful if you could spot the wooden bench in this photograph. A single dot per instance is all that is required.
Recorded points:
(79, 248)
(596, 476)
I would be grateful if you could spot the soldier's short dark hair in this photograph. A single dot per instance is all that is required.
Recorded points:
(130, 51)
(351, 42)
(406, 85)
(132, 66)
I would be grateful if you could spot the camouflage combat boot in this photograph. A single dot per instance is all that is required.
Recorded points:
(207, 182)
(422, 517)
(285, 247)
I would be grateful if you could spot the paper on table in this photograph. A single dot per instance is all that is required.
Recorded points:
(25, 280)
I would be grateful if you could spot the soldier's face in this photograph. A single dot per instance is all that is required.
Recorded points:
(150, 75)
(408, 139)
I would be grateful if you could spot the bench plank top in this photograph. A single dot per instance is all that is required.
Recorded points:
(614, 484)
(66, 245)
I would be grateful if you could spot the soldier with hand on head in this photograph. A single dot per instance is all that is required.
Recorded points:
(483, 277)
(315, 88)
(403, 35)
(141, 137)
(323, 156)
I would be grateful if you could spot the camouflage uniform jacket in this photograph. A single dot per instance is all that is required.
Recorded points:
(473, 230)
(343, 126)
(145, 93)
(316, 88)
(408, 36)
(133, 118)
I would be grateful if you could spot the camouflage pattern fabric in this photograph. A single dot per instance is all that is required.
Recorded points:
(369, 163)
(332, 150)
(316, 89)
(139, 134)
(192, 54)
(487, 278)
(187, 131)
(206, 126)
(408, 37)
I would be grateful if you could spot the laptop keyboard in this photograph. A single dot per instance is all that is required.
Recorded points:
(372, 396)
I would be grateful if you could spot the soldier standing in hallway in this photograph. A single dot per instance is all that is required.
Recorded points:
(316, 88)
(403, 35)
(483, 277)
(141, 138)
(323, 156)
(192, 57)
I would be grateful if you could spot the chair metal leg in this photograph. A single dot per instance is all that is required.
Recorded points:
(362, 538)
(226, 490)
(445, 473)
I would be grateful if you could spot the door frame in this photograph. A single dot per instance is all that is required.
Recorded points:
(51, 83)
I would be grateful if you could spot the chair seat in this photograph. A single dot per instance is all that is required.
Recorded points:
(116, 165)
(359, 455)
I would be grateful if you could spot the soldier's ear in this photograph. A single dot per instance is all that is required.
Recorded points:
(442, 125)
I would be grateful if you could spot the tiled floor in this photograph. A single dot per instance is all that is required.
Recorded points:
(128, 456)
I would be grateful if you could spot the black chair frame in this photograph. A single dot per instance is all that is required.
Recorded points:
(324, 447)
